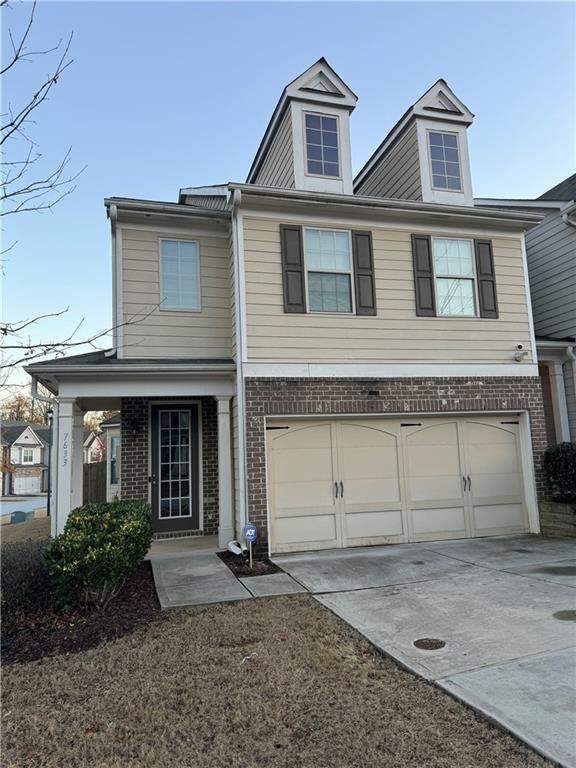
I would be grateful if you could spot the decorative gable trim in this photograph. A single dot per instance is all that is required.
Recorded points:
(28, 437)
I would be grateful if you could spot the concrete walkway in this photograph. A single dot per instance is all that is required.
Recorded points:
(503, 608)
(192, 574)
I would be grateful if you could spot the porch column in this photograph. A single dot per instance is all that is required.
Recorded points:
(558, 391)
(63, 459)
(226, 522)
(77, 458)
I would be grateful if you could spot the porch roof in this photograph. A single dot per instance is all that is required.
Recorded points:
(100, 379)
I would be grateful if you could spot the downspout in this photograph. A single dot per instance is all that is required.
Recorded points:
(572, 355)
(113, 216)
(236, 200)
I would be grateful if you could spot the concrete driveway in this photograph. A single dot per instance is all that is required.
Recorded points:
(504, 608)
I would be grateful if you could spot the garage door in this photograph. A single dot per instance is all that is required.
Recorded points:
(24, 485)
(371, 481)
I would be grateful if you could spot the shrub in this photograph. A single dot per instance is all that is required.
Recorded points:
(100, 545)
(25, 581)
(560, 471)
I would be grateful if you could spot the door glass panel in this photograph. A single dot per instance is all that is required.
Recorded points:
(174, 487)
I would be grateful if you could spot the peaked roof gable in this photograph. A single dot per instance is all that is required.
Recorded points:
(21, 435)
(440, 100)
(318, 84)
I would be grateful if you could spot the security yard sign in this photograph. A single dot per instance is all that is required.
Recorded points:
(250, 533)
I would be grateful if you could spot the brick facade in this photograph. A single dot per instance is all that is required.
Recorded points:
(134, 467)
(309, 397)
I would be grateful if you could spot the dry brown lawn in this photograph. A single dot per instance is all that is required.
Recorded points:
(33, 530)
(277, 682)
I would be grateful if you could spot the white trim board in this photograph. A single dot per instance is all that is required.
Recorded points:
(383, 370)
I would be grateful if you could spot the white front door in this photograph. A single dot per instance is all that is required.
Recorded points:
(26, 484)
(355, 482)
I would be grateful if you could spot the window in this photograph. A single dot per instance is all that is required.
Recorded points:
(114, 448)
(445, 161)
(180, 275)
(27, 456)
(328, 270)
(322, 145)
(454, 277)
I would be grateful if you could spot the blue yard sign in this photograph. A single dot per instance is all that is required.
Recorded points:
(250, 532)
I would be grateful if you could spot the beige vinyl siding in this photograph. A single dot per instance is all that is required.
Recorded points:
(395, 334)
(277, 170)
(232, 283)
(169, 333)
(397, 174)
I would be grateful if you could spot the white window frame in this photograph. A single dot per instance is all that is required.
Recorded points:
(429, 153)
(24, 450)
(330, 272)
(338, 139)
(162, 307)
(474, 279)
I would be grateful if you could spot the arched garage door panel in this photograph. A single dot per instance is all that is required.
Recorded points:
(357, 482)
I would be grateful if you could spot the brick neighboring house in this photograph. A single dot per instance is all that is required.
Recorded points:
(341, 360)
(24, 458)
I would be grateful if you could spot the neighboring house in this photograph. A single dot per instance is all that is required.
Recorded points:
(24, 458)
(111, 432)
(342, 361)
(551, 251)
(94, 447)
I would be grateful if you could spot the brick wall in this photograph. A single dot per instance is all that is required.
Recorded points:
(134, 467)
(307, 397)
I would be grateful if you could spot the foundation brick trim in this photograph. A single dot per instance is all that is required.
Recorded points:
(344, 397)
(134, 464)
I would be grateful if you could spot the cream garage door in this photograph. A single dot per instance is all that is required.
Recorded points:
(26, 484)
(372, 481)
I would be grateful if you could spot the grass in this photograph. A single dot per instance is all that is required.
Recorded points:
(33, 530)
(275, 682)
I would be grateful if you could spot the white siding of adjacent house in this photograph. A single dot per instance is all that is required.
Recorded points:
(277, 170)
(551, 253)
(397, 175)
(162, 333)
(395, 334)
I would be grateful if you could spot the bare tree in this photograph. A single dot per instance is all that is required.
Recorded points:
(26, 187)
(22, 407)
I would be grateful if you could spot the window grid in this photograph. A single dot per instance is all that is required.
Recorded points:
(180, 275)
(445, 161)
(328, 262)
(322, 145)
(174, 448)
(27, 456)
(114, 446)
(454, 277)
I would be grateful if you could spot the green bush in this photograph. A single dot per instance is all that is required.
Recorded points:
(560, 471)
(100, 545)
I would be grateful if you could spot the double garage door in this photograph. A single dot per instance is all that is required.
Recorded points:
(371, 481)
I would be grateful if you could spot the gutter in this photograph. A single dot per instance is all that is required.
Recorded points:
(128, 368)
(164, 209)
(388, 204)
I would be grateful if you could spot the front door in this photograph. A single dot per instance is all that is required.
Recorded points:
(175, 478)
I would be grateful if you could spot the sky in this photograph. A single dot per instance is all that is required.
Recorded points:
(166, 95)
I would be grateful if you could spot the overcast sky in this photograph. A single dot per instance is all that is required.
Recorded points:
(166, 95)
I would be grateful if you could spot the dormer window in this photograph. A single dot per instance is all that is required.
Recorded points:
(322, 145)
(445, 161)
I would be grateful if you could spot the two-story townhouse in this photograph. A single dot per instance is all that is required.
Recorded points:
(551, 252)
(342, 361)
(24, 458)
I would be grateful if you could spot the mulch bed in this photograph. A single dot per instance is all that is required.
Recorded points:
(240, 566)
(50, 632)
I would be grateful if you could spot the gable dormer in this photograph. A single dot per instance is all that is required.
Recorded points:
(425, 156)
(307, 142)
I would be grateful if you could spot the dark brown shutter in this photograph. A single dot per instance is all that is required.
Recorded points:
(486, 279)
(423, 276)
(292, 268)
(364, 273)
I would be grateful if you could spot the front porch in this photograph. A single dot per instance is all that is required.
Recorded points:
(176, 437)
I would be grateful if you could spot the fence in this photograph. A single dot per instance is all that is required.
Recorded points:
(94, 482)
